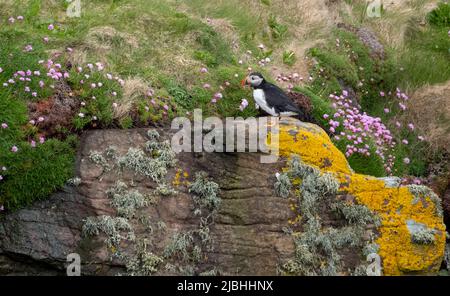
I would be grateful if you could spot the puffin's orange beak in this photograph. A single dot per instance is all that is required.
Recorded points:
(244, 82)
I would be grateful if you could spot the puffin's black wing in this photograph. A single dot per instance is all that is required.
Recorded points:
(277, 98)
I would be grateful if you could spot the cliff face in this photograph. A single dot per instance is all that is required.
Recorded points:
(137, 208)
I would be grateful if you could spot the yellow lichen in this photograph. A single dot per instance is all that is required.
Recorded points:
(395, 206)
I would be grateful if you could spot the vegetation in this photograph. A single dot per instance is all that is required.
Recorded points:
(136, 63)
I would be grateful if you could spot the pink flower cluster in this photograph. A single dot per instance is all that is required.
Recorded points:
(360, 129)
(55, 70)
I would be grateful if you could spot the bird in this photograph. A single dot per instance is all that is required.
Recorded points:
(270, 98)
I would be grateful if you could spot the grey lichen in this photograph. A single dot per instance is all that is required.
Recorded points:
(180, 245)
(317, 248)
(283, 185)
(145, 263)
(75, 181)
(356, 214)
(165, 190)
(126, 202)
(153, 135)
(205, 192)
(113, 227)
(423, 237)
(111, 152)
(98, 158)
(422, 192)
(420, 233)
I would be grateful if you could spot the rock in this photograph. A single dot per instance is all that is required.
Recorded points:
(250, 231)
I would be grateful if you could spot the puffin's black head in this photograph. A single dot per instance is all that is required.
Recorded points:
(254, 79)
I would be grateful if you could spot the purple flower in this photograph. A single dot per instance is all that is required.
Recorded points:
(244, 104)
(14, 149)
(51, 27)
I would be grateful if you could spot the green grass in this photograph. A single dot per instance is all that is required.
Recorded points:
(31, 173)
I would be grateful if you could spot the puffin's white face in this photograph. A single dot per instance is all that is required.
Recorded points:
(254, 80)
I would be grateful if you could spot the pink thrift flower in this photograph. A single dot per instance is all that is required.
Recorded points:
(51, 27)
(382, 93)
(41, 140)
(404, 141)
(45, 39)
(203, 70)
(14, 149)
(206, 85)
(4, 125)
(406, 160)
(33, 143)
(386, 110)
(411, 126)
(166, 107)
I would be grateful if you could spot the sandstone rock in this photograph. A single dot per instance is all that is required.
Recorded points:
(252, 232)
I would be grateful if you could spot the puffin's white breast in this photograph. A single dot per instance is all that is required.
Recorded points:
(260, 99)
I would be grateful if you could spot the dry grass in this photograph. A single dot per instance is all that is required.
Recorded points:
(398, 17)
(134, 89)
(430, 111)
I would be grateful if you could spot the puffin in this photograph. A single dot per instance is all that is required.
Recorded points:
(270, 98)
